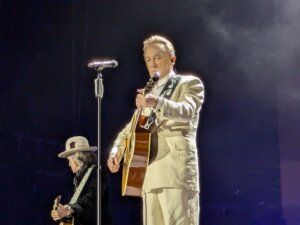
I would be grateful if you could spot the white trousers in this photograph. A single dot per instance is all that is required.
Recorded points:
(170, 206)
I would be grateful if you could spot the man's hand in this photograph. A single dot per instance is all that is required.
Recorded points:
(113, 164)
(142, 101)
(60, 212)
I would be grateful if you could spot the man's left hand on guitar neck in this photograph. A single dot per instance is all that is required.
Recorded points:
(61, 212)
(148, 100)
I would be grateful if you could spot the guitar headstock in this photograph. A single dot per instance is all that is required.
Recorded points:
(56, 202)
(150, 84)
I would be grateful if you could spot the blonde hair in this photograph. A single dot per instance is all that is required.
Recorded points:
(159, 40)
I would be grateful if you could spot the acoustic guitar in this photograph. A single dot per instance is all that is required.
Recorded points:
(136, 155)
(67, 220)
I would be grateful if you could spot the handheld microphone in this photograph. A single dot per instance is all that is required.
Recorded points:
(100, 65)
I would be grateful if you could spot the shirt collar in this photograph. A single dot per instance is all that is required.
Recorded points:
(164, 80)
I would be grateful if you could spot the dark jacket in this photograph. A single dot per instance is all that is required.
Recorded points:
(85, 208)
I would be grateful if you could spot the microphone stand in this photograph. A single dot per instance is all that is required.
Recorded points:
(99, 89)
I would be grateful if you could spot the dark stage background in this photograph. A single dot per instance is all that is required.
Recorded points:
(247, 53)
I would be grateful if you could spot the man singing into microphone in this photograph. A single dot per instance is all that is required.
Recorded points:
(171, 185)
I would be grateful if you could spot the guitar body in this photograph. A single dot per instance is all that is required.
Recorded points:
(67, 221)
(136, 158)
(137, 151)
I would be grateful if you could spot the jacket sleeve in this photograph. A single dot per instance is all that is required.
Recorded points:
(189, 103)
(120, 142)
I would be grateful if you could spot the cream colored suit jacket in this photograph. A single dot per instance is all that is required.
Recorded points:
(174, 162)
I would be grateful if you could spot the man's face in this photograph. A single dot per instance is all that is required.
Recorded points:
(157, 59)
(72, 163)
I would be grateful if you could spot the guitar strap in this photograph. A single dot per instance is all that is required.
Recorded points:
(166, 93)
(81, 185)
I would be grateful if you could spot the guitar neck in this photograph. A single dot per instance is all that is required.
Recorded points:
(136, 120)
(56, 202)
(64, 221)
